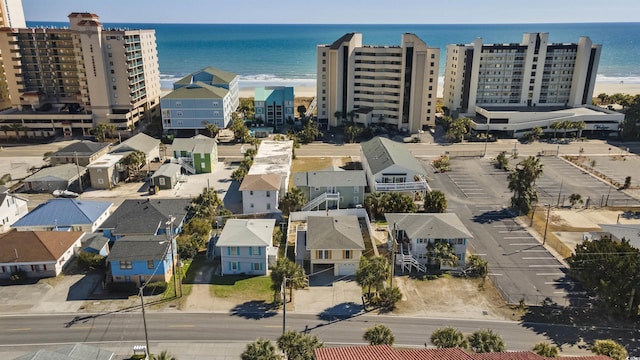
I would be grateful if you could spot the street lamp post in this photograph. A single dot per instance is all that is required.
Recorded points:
(546, 225)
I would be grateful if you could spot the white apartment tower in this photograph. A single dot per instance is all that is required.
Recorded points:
(71, 79)
(394, 85)
(12, 14)
(532, 73)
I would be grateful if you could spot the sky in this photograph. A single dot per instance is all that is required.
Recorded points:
(338, 11)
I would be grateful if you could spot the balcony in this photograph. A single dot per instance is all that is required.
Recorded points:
(420, 185)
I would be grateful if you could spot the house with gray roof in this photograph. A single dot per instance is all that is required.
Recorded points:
(146, 217)
(390, 166)
(82, 152)
(65, 215)
(331, 188)
(334, 242)
(415, 235)
(207, 96)
(198, 154)
(246, 246)
(141, 258)
(166, 177)
(60, 177)
(142, 142)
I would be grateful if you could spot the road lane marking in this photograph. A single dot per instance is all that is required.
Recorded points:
(19, 329)
(514, 231)
(534, 250)
(181, 326)
(273, 326)
(524, 244)
(517, 237)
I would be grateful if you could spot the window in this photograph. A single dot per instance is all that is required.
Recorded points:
(100, 181)
(178, 103)
(178, 113)
(255, 250)
(233, 250)
(356, 189)
(356, 200)
(268, 193)
(234, 266)
(348, 254)
(161, 181)
(268, 206)
(126, 265)
(324, 254)
(150, 264)
(251, 192)
(256, 266)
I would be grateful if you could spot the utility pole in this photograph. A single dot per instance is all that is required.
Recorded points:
(144, 321)
(546, 225)
(284, 304)
(560, 192)
(75, 155)
(174, 257)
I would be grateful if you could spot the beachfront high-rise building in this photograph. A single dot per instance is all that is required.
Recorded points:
(207, 96)
(12, 14)
(511, 88)
(393, 85)
(71, 79)
(274, 105)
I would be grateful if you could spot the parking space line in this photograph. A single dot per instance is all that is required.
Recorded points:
(557, 282)
(535, 250)
(514, 231)
(517, 237)
(525, 244)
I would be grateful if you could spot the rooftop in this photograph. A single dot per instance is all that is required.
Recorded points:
(200, 144)
(429, 226)
(382, 153)
(81, 148)
(67, 172)
(210, 75)
(139, 142)
(261, 182)
(36, 246)
(197, 90)
(146, 216)
(273, 157)
(247, 232)
(64, 213)
(106, 160)
(330, 178)
(139, 247)
(334, 232)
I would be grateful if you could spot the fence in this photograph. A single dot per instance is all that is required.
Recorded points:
(573, 301)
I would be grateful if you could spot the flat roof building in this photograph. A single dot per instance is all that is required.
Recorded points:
(69, 80)
(392, 85)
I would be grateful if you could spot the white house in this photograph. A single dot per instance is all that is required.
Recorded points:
(390, 166)
(246, 246)
(414, 234)
(12, 208)
(260, 193)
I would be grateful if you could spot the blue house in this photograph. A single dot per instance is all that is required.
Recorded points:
(95, 244)
(274, 105)
(146, 217)
(139, 259)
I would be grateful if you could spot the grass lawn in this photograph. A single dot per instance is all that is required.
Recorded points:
(189, 270)
(242, 287)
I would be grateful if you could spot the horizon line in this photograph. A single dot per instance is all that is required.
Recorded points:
(376, 24)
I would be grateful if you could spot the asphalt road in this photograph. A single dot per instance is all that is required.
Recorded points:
(128, 327)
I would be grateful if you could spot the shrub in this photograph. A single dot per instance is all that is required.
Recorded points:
(91, 260)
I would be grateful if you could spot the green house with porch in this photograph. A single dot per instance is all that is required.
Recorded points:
(198, 155)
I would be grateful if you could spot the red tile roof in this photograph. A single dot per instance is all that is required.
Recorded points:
(433, 354)
(375, 352)
(515, 355)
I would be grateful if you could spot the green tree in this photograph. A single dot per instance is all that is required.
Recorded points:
(310, 131)
(521, 182)
(484, 341)
(555, 126)
(338, 115)
(375, 205)
(246, 107)
(389, 297)
(372, 273)
(435, 202)
(477, 266)
(442, 253)
(458, 129)
(239, 174)
(352, 131)
(611, 269)
(285, 268)
(502, 161)
(298, 346)
(442, 164)
(292, 201)
(535, 133)
(164, 355)
(578, 126)
(302, 110)
(260, 349)
(197, 225)
(379, 335)
(546, 349)
(206, 205)
(609, 348)
(240, 130)
(399, 203)
(133, 162)
(627, 182)
(575, 199)
(212, 129)
(604, 98)
(448, 337)
(102, 130)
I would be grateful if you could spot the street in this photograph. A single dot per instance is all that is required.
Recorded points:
(27, 332)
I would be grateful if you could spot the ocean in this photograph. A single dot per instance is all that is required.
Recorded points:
(267, 54)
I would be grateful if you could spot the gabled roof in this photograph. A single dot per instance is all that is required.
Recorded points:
(199, 144)
(334, 232)
(65, 172)
(382, 153)
(261, 182)
(247, 232)
(64, 213)
(36, 246)
(197, 90)
(94, 241)
(210, 75)
(512, 355)
(371, 352)
(145, 216)
(330, 178)
(139, 247)
(429, 226)
(139, 142)
(81, 148)
(276, 94)
(168, 169)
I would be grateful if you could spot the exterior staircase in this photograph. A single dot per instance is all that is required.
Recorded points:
(312, 107)
(408, 262)
(187, 164)
(320, 199)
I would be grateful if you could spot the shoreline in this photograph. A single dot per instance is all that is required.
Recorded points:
(607, 87)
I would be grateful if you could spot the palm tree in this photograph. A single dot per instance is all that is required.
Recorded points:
(134, 161)
(448, 337)
(443, 253)
(164, 355)
(379, 335)
(609, 348)
(555, 126)
(260, 349)
(293, 200)
(285, 268)
(579, 125)
(207, 204)
(435, 202)
(239, 174)
(484, 341)
(545, 349)
(212, 128)
(298, 346)
(372, 273)
(102, 130)
(338, 115)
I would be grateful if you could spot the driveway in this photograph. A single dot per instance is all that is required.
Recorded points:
(342, 298)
